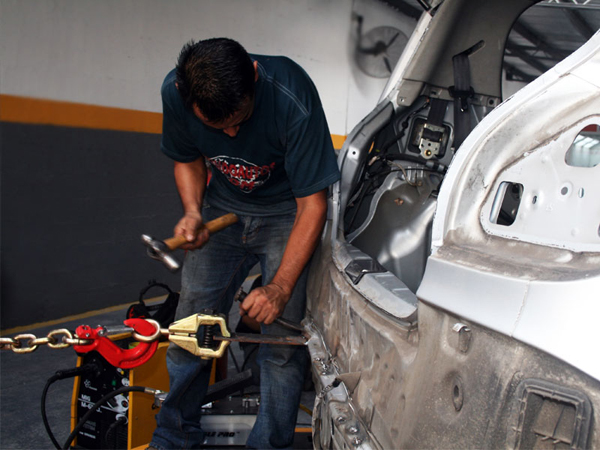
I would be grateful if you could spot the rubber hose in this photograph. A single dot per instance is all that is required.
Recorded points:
(49, 383)
(61, 375)
(112, 429)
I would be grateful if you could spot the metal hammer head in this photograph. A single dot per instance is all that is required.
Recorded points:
(158, 250)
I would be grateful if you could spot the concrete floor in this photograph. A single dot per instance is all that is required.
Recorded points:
(23, 377)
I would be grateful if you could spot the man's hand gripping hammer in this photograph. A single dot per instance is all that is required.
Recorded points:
(161, 250)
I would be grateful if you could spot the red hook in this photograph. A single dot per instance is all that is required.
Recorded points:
(115, 355)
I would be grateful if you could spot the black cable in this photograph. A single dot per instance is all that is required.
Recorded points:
(427, 163)
(357, 204)
(49, 383)
(113, 427)
(365, 191)
(383, 149)
(235, 363)
(61, 375)
(247, 358)
(99, 403)
(433, 167)
(416, 108)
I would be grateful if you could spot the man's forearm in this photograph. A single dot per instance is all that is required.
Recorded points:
(190, 179)
(305, 235)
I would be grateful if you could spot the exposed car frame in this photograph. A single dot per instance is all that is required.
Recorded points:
(454, 298)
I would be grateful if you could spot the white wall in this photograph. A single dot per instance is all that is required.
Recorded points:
(117, 52)
(510, 88)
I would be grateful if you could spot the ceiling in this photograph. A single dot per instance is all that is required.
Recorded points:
(544, 35)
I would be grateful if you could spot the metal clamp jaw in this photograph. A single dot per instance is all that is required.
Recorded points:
(184, 333)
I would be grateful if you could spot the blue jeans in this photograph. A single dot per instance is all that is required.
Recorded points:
(210, 278)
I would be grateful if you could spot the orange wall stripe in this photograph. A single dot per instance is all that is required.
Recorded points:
(78, 115)
(338, 141)
(52, 112)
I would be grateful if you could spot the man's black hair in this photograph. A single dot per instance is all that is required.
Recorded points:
(217, 75)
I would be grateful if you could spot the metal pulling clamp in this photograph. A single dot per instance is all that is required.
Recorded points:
(184, 333)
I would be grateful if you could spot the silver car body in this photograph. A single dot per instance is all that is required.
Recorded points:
(434, 322)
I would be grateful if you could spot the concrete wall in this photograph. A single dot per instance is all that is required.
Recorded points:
(74, 204)
(82, 180)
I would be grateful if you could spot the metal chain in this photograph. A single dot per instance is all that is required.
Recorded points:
(27, 343)
(63, 338)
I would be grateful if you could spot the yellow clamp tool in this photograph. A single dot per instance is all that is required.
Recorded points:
(184, 333)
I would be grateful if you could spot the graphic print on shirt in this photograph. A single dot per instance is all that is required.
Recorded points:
(245, 175)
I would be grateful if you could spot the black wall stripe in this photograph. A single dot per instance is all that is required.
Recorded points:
(74, 203)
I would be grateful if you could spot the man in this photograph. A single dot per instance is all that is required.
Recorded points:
(259, 124)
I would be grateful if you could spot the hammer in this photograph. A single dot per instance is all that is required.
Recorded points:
(161, 250)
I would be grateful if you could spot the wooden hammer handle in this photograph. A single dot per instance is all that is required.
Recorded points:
(213, 226)
(221, 222)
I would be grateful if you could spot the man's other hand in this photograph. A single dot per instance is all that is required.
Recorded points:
(265, 304)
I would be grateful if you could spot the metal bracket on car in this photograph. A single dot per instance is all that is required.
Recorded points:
(356, 269)
(431, 140)
(335, 417)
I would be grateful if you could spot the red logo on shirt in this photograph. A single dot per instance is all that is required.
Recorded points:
(243, 174)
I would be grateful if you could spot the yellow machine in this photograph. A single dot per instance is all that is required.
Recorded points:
(137, 409)
(126, 421)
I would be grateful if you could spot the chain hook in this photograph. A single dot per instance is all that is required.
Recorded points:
(115, 355)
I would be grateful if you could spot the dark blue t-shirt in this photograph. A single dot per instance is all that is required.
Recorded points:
(282, 151)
